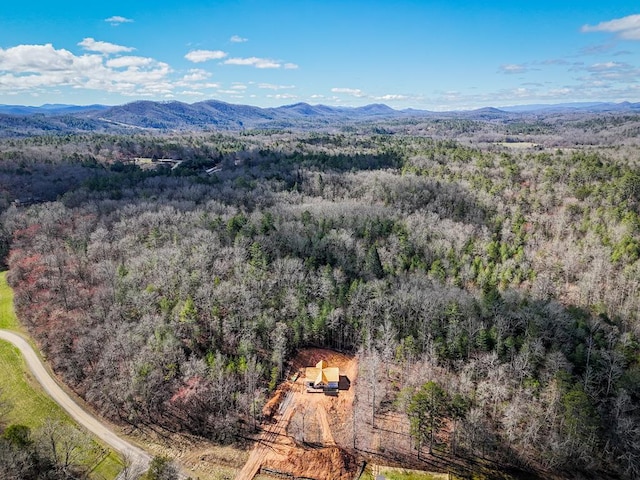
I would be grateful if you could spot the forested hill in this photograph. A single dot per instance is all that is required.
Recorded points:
(495, 265)
(20, 121)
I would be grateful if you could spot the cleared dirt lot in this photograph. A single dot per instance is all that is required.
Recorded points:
(308, 434)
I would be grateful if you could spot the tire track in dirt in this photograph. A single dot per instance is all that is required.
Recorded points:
(267, 441)
(323, 421)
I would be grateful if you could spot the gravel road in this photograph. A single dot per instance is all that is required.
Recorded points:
(139, 458)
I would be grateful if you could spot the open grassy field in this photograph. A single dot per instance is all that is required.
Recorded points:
(28, 404)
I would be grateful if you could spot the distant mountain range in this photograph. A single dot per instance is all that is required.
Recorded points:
(49, 109)
(593, 107)
(213, 113)
(17, 120)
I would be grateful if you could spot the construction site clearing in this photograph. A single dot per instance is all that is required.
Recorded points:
(306, 435)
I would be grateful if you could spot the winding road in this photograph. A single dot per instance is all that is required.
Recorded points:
(138, 458)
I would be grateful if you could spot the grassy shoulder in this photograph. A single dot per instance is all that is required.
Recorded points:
(404, 475)
(28, 404)
(477, 471)
(8, 319)
(394, 473)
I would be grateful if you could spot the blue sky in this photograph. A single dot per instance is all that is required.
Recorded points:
(435, 55)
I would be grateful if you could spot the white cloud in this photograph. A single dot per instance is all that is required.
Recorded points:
(194, 85)
(282, 96)
(611, 74)
(559, 92)
(522, 92)
(253, 62)
(625, 27)
(290, 66)
(512, 68)
(118, 20)
(41, 69)
(32, 58)
(238, 39)
(128, 61)
(392, 97)
(103, 47)
(35, 67)
(554, 61)
(196, 75)
(199, 56)
(196, 80)
(608, 66)
(595, 87)
(270, 86)
(597, 49)
(355, 92)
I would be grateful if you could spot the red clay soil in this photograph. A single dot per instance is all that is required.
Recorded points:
(271, 407)
(324, 418)
(310, 356)
(331, 463)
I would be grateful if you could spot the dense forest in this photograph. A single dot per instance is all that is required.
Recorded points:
(498, 280)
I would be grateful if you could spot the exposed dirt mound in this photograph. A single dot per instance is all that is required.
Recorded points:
(331, 463)
(271, 407)
(308, 357)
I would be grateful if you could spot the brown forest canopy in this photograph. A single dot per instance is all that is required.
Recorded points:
(175, 296)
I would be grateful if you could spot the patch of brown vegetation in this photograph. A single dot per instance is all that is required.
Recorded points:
(198, 457)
